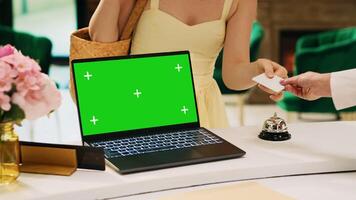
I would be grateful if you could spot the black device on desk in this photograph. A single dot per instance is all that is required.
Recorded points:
(142, 110)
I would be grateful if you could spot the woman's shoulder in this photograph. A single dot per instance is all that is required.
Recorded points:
(235, 5)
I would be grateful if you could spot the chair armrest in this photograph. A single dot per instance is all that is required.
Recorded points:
(328, 57)
(326, 40)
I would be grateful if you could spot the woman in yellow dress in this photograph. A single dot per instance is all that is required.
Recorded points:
(203, 27)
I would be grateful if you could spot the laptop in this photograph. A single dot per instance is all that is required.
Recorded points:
(142, 110)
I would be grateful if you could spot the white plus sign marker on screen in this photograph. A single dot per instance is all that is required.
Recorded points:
(94, 120)
(137, 93)
(88, 76)
(185, 110)
(178, 68)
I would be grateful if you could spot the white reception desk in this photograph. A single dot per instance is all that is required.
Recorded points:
(315, 148)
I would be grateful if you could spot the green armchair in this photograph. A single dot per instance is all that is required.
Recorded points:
(38, 48)
(323, 52)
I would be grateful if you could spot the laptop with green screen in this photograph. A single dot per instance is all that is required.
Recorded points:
(142, 110)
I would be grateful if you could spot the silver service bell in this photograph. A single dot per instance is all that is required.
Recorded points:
(275, 129)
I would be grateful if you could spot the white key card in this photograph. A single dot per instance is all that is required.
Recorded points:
(270, 83)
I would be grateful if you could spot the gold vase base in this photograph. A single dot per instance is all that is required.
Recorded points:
(9, 153)
(9, 173)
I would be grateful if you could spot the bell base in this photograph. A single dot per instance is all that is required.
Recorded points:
(274, 136)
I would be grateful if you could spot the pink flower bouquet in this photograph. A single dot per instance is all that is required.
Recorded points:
(25, 92)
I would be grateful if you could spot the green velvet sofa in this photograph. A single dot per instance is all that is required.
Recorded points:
(324, 53)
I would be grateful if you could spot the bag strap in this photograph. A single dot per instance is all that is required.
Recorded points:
(133, 19)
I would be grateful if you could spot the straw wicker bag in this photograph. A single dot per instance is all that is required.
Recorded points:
(81, 45)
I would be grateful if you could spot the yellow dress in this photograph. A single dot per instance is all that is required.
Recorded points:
(158, 31)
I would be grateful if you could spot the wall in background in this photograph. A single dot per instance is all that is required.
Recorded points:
(31, 6)
(54, 19)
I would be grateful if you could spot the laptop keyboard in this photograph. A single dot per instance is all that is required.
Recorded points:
(157, 142)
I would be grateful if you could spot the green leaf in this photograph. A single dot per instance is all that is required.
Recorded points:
(15, 114)
(1, 113)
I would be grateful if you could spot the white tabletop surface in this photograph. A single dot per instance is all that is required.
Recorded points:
(314, 148)
(308, 187)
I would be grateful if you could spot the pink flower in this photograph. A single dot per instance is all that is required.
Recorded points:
(6, 50)
(4, 102)
(21, 63)
(38, 102)
(23, 84)
(31, 80)
(7, 74)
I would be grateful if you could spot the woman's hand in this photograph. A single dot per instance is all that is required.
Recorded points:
(309, 86)
(271, 69)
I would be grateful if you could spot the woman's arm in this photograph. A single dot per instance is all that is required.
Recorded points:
(237, 68)
(109, 19)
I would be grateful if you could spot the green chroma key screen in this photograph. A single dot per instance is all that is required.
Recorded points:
(134, 93)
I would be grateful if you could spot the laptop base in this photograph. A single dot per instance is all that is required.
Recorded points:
(176, 157)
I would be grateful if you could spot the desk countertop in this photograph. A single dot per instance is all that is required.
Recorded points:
(312, 150)
(308, 187)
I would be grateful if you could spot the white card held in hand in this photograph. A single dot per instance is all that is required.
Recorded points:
(271, 83)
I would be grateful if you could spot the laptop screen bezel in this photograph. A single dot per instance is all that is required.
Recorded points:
(152, 130)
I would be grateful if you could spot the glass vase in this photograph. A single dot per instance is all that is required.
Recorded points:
(9, 153)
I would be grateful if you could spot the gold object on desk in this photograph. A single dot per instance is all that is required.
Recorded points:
(9, 153)
(48, 160)
(248, 190)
